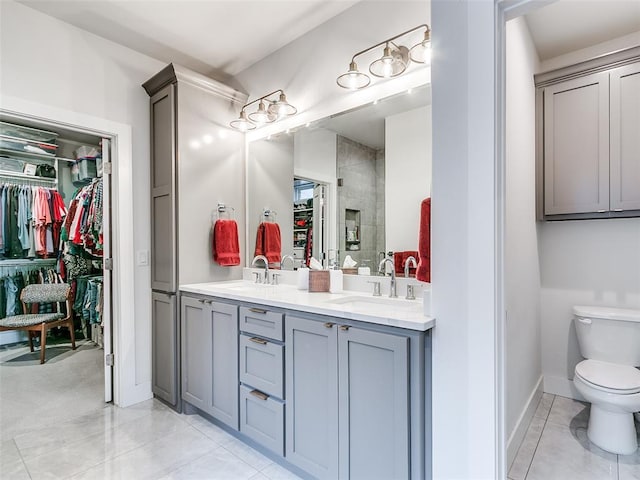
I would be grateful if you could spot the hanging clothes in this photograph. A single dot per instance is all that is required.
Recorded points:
(30, 221)
(82, 227)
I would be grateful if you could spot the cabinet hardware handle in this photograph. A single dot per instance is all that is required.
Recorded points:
(329, 325)
(257, 310)
(618, 209)
(209, 302)
(344, 328)
(601, 211)
(259, 394)
(258, 340)
(201, 300)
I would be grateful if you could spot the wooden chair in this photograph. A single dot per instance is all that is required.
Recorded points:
(42, 322)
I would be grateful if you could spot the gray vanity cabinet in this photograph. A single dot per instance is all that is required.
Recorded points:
(164, 334)
(312, 396)
(373, 385)
(347, 401)
(210, 357)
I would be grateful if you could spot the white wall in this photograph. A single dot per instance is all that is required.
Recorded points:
(307, 68)
(584, 262)
(522, 272)
(49, 62)
(467, 426)
(407, 170)
(620, 43)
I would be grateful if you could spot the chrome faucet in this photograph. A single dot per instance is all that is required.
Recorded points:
(406, 265)
(266, 266)
(293, 262)
(381, 268)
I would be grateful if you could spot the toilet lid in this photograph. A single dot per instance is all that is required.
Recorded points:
(610, 376)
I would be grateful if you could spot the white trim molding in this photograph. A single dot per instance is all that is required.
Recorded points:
(522, 425)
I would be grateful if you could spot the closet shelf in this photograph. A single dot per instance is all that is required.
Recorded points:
(30, 155)
(9, 174)
(27, 261)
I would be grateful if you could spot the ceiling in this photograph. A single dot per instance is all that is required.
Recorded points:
(213, 37)
(568, 25)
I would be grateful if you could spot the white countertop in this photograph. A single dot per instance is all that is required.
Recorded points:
(351, 305)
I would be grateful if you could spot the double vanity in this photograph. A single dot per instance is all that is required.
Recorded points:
(329, 385)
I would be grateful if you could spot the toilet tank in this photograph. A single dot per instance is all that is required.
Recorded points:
(608, 334)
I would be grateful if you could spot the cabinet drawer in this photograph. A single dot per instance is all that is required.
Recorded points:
(262, 322)
(262, 419)
(261, 365)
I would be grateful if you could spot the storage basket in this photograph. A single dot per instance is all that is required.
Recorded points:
(319, 280)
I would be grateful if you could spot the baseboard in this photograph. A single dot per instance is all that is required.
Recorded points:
(520, 430)
(562, 386)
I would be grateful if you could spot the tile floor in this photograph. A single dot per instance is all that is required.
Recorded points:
(54, 424)
(556, 447)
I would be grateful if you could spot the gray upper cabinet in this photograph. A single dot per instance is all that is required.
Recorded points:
(164, 332)
(625, 138)
(576, 146)
(163, 191)
(588, 139)
(374, 418)
(312, 396)
(210, 357)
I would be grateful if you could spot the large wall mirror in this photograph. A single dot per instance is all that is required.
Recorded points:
(350, 184)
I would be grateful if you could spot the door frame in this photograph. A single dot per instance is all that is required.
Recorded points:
(127, 389)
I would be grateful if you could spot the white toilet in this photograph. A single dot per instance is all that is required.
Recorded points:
(609, 339)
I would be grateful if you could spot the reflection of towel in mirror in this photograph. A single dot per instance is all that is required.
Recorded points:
(268, 242)
(226, 249)
(423, 273)
(400, 258)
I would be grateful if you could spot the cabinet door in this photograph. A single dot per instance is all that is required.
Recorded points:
(374, 404)
(625, 138)
(196, 352)
(223, 347)
(163, 186)
(312, 396)
(576, 146)
(164, 333)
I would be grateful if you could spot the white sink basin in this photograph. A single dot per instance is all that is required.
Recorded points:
(361, 302)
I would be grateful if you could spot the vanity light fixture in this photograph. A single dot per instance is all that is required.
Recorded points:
(269, 110)
(394, 61)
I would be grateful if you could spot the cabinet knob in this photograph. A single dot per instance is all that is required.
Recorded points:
(258, 340)
(344, 328)
(329, 325)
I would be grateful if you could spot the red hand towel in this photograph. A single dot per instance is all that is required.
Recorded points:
(424, 242)
(226, 248)
(399, 260)
(268, 242)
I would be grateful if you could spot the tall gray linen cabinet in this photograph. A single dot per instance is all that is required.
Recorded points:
(197, 161)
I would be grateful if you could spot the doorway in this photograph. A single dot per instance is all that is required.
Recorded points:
(75, 250)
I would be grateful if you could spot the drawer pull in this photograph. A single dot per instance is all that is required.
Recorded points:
(259, 394)
(329, 325)
(258, 340)
(258, 310)
(344, 328)
(201, 300)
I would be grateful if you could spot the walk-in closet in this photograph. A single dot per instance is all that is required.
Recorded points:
(55, 300)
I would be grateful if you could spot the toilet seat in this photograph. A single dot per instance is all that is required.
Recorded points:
(609, 377)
